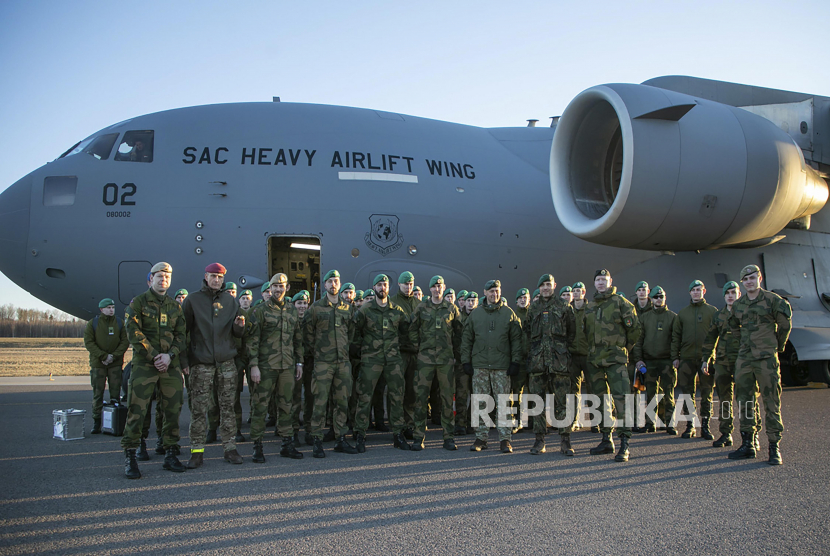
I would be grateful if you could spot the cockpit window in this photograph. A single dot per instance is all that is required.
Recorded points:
(100, 147)
(136, 146)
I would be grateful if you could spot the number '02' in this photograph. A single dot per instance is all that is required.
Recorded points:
(111, 194)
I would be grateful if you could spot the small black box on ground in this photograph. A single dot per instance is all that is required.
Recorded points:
(113, 418)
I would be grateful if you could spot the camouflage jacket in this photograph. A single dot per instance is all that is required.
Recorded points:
(109, 336)
(522, 314)
(408, 303)
(580, 343)
(725, 334)
(765, 324)
(492, 337)
(550, 325)
(435, 331)
(655, 341)
(241, 344)
(689, 330)
(381, 332)
(611, 328)
(328, 330)
(275, 340)
(156, 325)
(210, 322)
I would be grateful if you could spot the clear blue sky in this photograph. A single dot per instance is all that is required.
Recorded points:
(68, 69)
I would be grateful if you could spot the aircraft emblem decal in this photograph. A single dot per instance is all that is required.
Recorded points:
(383, 235)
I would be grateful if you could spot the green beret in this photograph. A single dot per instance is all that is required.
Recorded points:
(522, 292)
(601, 272)
(368, 293)
(106, 302)
(749, 269)
(657, 291)
(161, 267)
(565, 289)
(265, 287)
(302, 295)
(492, 284)
(730, 286)
(230, 286)
(449, 291)
(181, 292)
(358, 295)
(621, 294)
(462, 294)
(380, 278)
(472, 295)
(545, 278)
(417, 289)
(436, 280)
(243, 294)
(535, 293)
(331, 274)
(347, 286)
(406, 277)
(695, 284)
(579, 285)
(641, 284)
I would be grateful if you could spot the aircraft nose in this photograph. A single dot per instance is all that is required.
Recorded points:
(14, 228)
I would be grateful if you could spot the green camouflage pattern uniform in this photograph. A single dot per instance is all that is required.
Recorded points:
(382, 333)
(408, 304)
(145, 426)
(328, 330)
(275, 345)
(611, 328)
(109, 336)
(241, 361)
(688, 335)
(435, 331)
(304, 384)
(654, 350)
(156, 325)
(491, 340)
(579, 358)
(550, 327)
(462, 384)
(724, 335)
(765, 324)
(518, 383)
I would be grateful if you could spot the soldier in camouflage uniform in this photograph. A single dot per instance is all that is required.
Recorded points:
(579, 351)
(328, 330)
(156, 331)
(611, 328)
(550, 327)
(688, 334)
(765, 320)
(405, 298)
(449, 295)
(300, 302)
(213, 317)
(435, 330)
(518, 383)
(275, 354)
(246, 299)
(381, 333)
(566, 294)
(491, 348)
(105, 338)
(462, 379)
(653, 354)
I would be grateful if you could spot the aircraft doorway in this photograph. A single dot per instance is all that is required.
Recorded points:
(298, 257)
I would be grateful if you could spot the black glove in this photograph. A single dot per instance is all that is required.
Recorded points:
(513, 369)
(468, 368)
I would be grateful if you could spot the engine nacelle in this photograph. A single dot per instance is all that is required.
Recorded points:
(646, 168)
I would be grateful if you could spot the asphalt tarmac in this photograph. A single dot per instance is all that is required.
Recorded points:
(675, 496)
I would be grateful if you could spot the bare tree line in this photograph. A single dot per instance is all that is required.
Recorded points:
(16, 322)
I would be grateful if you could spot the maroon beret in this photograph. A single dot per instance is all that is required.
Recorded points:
(215, 268)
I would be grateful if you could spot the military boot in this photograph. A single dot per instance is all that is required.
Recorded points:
(650, 427)
(595, 429)
(623, 454)
(606, 445)
(318, 451)
(690, 431)
(360, 443)
(417, 444)
(259, 456)
(289, 451)
(565, 444)
(747, 449)
(449, 444)
(539, 446)
(478, 445)
(671, 430)
(724, 440)
(96, 425)
(296, 439)
(506, 447)
(172, 463)
(774, 454)
(141, 454)
(342, 445)
(196, 460)
(704, 429)
(160, 446)
(399, 441)
(131, 465)
(232, 456)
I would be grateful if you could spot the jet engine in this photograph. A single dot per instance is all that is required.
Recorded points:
(641, 167)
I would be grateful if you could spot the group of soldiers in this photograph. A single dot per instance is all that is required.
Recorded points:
(341, 352)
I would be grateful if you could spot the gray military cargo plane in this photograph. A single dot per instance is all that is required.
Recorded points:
(669, 181)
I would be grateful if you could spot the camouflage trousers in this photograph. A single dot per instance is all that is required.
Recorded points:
(297, 400)
(490, 382)
(143, 382)
(579, 376)
(462, 397)
(145, 427)
(334, 378)
(213, 409)
(424, 378)
(99, 378)
(611, 380)
(750, 376)
(353, 398)
(660, 375)
(203, 380)
(370, 373)
(409, 398)
(518, 386)
(377, 401)
(687, 375)
(558, 384)
(280, 385)
(725, 385)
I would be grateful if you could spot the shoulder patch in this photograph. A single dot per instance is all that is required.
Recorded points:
(629, 322)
